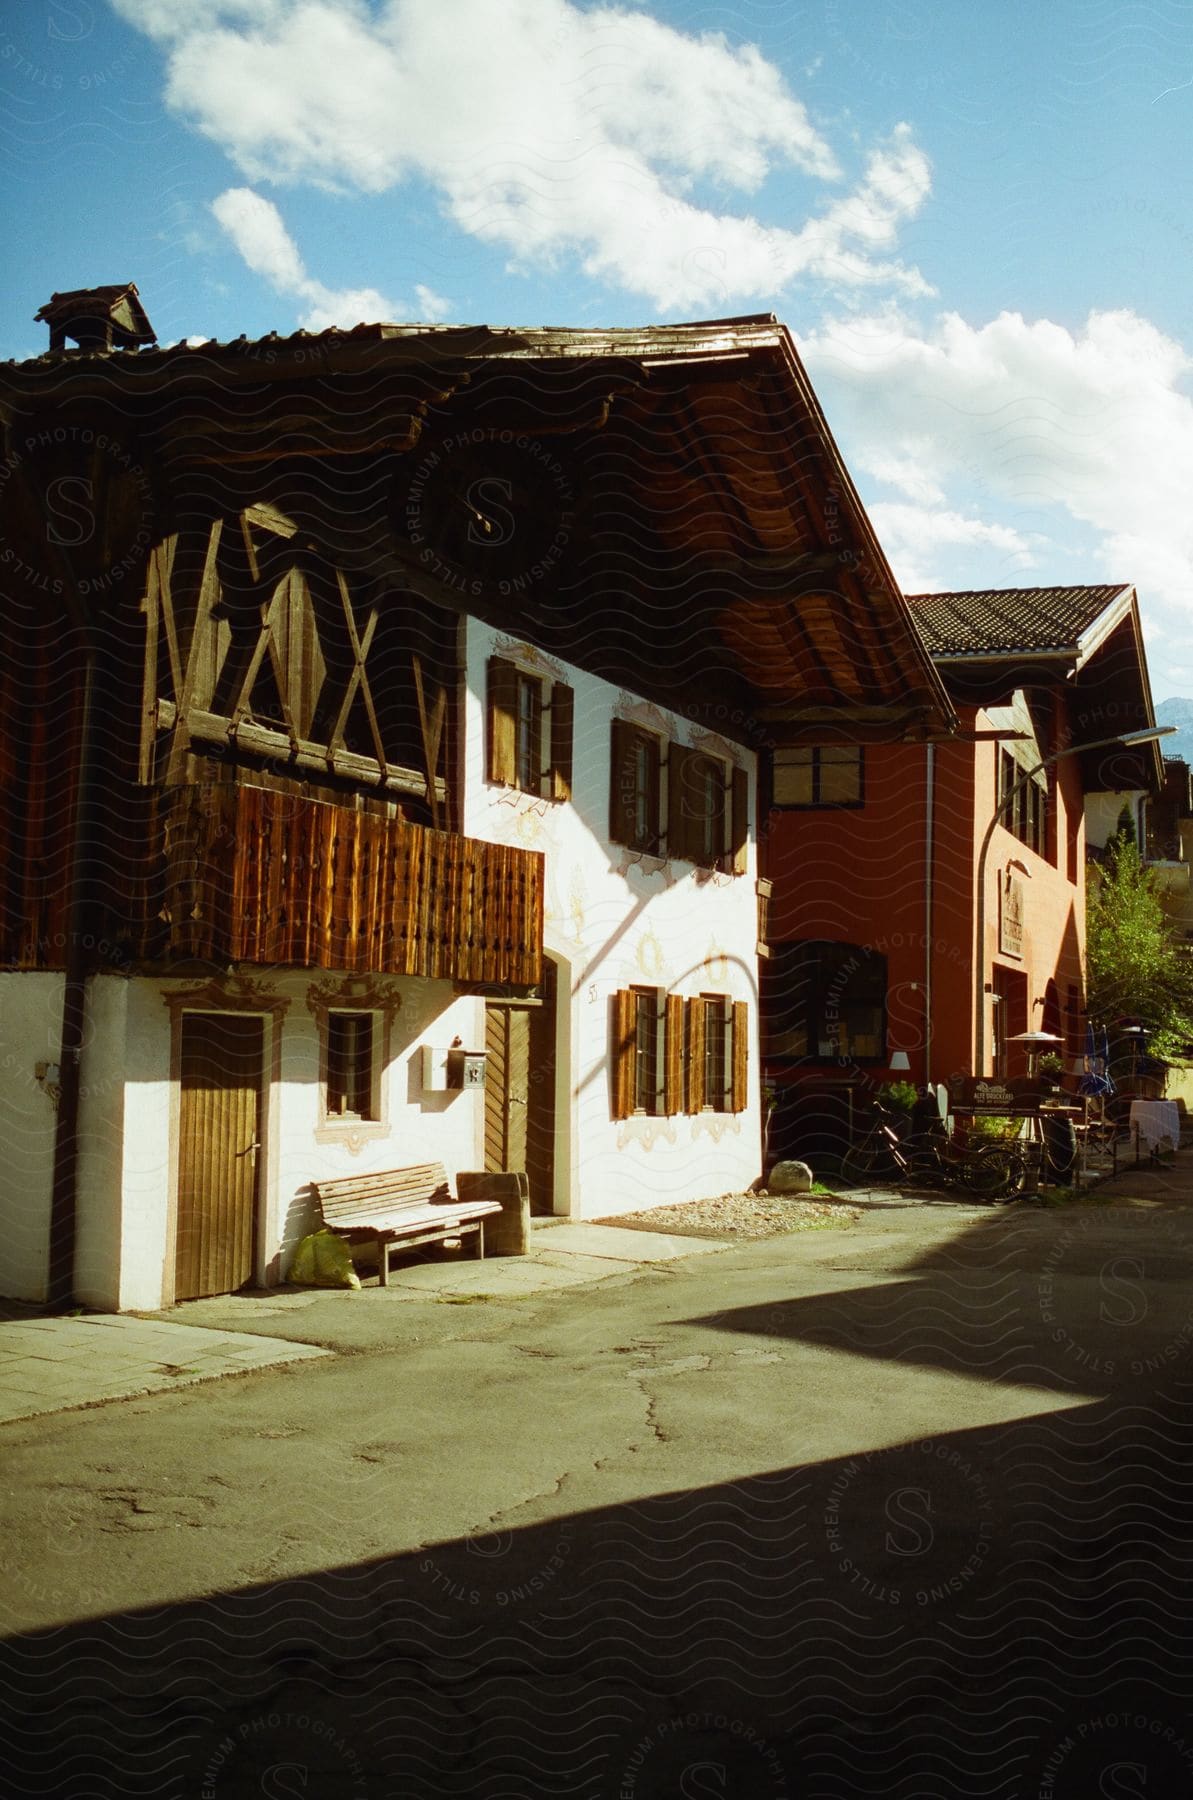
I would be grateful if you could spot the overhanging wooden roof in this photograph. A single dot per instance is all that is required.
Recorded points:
(717, 554)
(1085, 639)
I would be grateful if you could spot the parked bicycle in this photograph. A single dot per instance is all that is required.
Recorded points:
(990, 1171)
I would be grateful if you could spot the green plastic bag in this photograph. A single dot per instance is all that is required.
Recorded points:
(323, 1260)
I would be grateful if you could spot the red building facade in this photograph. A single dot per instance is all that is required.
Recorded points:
(928, 900)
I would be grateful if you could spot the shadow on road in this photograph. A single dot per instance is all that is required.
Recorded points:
(996, 1611)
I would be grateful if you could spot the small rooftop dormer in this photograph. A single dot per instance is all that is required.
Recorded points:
(101, 318)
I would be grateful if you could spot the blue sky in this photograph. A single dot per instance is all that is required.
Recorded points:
(976, 220)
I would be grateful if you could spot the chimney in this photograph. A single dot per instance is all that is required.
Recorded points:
(101, 318)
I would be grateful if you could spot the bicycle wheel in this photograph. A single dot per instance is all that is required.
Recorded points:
(870, 1161)
(997, 1171)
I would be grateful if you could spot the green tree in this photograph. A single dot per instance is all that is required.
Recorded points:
(1136, 963)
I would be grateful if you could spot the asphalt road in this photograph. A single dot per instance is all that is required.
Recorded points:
(899, 1510)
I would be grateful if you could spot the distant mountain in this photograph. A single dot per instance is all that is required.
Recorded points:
(1179, 713)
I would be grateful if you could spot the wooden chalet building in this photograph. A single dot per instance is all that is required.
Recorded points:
(377, 695)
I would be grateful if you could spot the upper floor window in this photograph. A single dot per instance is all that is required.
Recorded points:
(819, 775)
(1026, 815)
(636, 790)
(530, 730)
(667, 800)
(700, 811)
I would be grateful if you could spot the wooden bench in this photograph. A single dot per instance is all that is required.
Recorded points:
(406, 1207)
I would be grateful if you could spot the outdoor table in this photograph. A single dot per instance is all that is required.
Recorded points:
(1155, 1123)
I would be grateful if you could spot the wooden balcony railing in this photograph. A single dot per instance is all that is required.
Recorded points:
(256, 876)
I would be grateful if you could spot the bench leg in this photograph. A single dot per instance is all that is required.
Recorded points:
(480, 1241)
(382, 1262)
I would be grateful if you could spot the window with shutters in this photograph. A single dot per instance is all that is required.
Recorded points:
(671, 1055)
(648, 1050)
(530, 721)
(636, 789)
(667, 800)
(698, 817)
(350, 1065)
(717, 1054)
(718, 1051)
(819, 775)
(647, 1053)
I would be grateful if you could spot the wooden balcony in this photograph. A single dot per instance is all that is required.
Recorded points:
(250, 875)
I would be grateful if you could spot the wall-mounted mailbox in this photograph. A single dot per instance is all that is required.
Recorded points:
(466, 1068)
(447, 1071)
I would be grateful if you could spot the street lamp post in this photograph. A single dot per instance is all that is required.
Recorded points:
(1125, 740)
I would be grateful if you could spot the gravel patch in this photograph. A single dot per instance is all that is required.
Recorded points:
(742, 1216)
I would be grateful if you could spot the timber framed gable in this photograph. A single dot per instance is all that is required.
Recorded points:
(259, 649)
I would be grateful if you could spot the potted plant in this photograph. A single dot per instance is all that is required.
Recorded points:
(1050, 1069)
(899, 1096)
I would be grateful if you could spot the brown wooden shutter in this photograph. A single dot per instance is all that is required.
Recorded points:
(740, 829)
(683, 839)
(502, 720)
(563, 713)
(673, 1047)
(623, 1051)
(621, 784)
(741, 1056)
(695, 1010)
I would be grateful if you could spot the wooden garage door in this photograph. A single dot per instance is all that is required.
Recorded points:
(219, 1126)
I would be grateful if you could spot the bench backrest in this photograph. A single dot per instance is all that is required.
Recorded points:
(365, 1196)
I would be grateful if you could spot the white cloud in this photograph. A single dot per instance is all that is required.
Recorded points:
(920, 542)
(547, 130)
(1033, 427)
(431, 306)
(255, 227)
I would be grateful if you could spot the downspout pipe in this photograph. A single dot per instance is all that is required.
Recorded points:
(60, 1290)
(929, 871)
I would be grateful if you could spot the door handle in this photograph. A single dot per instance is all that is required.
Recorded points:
(250, 1149)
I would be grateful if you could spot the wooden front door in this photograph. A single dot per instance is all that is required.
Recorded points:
(507, 1079)
(520, 1092)
(218, 1139)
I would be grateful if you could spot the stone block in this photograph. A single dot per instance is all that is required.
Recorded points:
(790, 1178)
(506, 1233)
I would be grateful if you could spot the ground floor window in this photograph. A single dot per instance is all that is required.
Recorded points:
(826, 1002)
(350, 1065)
(673, 1055)
(718, 1052)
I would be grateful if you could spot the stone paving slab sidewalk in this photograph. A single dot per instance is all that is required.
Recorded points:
(55, 1364)
(52, 1365)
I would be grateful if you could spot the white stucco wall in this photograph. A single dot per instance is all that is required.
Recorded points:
(128, 1122)
(416, 1126)
(30, 1031)
(105, 1080)
(617, 920)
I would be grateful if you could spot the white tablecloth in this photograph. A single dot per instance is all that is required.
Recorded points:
(1158, 1123)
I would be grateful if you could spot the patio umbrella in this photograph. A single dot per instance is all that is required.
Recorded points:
(1096, 1080)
